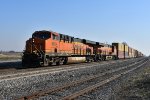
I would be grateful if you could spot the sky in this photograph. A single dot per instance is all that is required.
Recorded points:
(103, 21)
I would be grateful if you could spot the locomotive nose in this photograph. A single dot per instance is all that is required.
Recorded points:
(33, 40)
(39, 44)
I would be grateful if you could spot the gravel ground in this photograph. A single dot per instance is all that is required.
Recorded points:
(11, 72)
(14, 66)
(15, 88)
(138, 87)
(123, 88)
(82, 85)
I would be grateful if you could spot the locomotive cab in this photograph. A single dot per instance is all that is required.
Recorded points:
(38, 41)
(46, 41)
(41, 44)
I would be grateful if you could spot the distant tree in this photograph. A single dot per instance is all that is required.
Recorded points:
(11, 52)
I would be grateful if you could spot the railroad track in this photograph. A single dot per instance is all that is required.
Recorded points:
(98, 81)
(53, 69)
(13, 66)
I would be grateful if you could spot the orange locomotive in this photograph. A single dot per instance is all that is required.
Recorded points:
(47, 47)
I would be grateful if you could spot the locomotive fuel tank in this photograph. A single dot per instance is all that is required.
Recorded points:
(76, 59)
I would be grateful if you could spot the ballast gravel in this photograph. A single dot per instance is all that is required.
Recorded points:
(15, 88)
(111, 90)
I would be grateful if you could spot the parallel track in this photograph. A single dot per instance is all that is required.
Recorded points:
(125, 69)
(95, 86)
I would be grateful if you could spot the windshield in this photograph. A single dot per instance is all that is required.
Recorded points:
(42, 35)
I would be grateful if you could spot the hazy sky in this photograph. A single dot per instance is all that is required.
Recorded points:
(98, 20)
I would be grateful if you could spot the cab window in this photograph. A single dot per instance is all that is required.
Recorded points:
(54, 37)
(42, 35)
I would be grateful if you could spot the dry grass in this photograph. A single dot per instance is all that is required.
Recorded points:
(5, 57)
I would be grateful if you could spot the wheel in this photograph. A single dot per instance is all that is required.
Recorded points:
(58, 63)
(65, 61)
(50, 63)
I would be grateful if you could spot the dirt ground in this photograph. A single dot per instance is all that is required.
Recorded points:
(138, 87)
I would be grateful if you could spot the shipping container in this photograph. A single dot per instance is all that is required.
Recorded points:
(130, 52)
(120, 50)
(126, 51)
(133, 53)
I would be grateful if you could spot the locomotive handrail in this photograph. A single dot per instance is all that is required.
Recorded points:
(36, 48)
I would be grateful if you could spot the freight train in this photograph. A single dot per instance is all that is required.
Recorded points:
(48, 47)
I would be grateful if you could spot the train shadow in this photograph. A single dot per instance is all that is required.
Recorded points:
(15, 65)
(11, 64)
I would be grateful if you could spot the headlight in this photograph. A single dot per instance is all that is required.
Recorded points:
(35, 51)
(33, 40)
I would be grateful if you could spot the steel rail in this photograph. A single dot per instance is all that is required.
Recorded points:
(24, 72)
(59, 88)
(93, 87)
(51, 70)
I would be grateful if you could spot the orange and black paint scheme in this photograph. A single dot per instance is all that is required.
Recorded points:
(47, 47)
